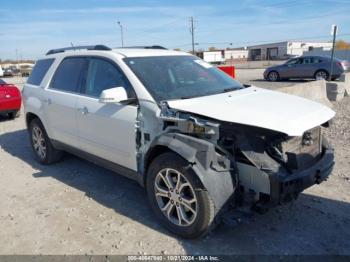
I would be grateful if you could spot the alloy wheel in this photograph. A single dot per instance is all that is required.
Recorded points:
(321, 75)
(176, 197)
(273, 76)
(39, 143)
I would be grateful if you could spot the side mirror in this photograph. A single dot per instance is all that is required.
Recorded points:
(113, 95)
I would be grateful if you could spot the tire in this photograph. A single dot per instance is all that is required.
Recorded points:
(323, 74)
(273, 76)
(42, 147)
(14, 114)
(195, 224)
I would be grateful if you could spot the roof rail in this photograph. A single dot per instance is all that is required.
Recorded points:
(87, 47)
(145, 47)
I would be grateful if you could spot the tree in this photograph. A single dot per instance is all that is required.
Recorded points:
(342, 45)
(212, 48)
(177, 49)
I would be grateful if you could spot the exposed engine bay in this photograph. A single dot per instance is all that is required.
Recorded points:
(265, 167)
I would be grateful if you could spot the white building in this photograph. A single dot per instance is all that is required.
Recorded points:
(236, 54)
(284, 50)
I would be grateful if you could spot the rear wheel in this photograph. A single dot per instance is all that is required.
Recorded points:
(42, 147)
(14, 114)
(321, 74)
(273, 76)
(177, 197)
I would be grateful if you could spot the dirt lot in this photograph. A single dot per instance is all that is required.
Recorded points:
(74, 207)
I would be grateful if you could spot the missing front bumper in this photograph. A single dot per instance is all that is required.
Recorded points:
(285, 189)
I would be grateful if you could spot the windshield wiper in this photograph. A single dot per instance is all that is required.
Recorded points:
(226, 90)
(187, 97)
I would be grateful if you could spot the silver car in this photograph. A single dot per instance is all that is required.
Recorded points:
(317, 67)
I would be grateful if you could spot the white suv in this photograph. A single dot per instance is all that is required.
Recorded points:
(200, 143)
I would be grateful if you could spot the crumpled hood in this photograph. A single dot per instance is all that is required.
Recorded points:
(259, 107)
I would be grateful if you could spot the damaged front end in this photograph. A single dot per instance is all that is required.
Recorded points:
(275, 168)
(241, 165)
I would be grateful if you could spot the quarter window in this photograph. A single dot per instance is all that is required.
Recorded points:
(39, 71)
(103, 75)
(69, 74)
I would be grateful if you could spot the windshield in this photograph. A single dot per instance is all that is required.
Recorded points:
(180, 77)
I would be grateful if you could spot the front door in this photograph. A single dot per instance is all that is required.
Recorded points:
(290, 69)
(107, 130)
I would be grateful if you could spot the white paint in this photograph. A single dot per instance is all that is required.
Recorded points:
(203, 64)
(261, 108)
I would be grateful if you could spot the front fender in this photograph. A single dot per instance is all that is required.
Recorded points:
(214, 170)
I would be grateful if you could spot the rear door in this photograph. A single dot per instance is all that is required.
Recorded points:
(61, 99)
(107, 130)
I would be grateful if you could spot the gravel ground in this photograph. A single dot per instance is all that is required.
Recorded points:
(75, 207)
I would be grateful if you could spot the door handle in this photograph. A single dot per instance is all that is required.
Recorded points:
(83, 110)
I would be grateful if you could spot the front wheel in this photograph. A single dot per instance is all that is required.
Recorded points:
(177, 197)
(273, 76)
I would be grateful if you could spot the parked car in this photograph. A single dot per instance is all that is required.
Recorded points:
(346, 65)
(304, 67)
(8, 72)
(10, 99)
(199, 142)
(25, 70)
(1, 71)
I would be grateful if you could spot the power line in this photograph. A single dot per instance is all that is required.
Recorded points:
(264, 41)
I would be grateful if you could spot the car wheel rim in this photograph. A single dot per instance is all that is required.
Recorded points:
(273, 76)
(175, 197)
(322, 75)
(39, 143)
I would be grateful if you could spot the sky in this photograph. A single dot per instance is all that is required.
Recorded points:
(29, 28)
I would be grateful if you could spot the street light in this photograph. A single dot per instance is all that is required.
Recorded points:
(121, 33)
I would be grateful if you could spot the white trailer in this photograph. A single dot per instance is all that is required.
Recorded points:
(214, 57)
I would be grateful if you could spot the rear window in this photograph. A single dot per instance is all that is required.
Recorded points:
(39, 71)
(2, 82)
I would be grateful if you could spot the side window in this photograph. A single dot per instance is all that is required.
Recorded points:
(292, 61)
(299, 61)
(69, 74)
(103, 75)
(308, 60)
(39, 71)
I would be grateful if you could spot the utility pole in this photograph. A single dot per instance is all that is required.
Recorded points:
(192, 33)
(16, 55)
(334, 33)
(121, 33)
